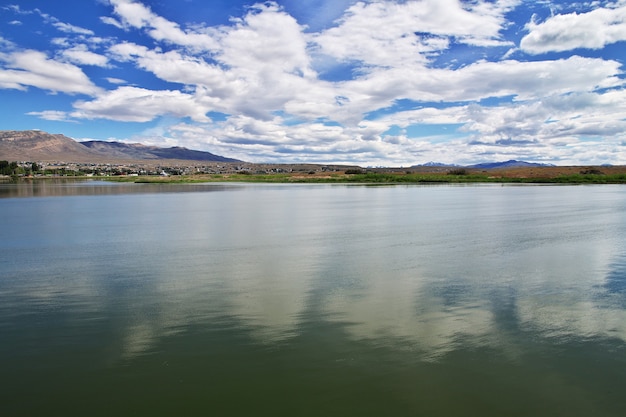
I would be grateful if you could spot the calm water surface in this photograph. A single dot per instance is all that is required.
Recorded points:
(312, 300)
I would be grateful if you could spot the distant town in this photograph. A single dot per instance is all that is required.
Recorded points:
(63, 169)
(40, 154)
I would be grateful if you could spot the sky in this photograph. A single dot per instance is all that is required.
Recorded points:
(372, 82)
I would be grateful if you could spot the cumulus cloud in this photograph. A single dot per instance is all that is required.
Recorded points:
(557, 116)
(172, 66)
(406, 31)
(33, 68)
(560, 128)
(266, 37)
(81, 55)
(263, 62)
(259, 65)
(564, 32)
(133, 104)
(136, 15)
(260, 74)
(523, 80)
(529, 79)
(288, 92)
(253, 75)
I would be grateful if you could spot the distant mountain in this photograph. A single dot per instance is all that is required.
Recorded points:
(487, 165)
(138, 151)
(508, 164)
(36, 145)
(434, 164)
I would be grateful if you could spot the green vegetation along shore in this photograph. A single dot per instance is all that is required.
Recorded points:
(382, 178)
(259, 173)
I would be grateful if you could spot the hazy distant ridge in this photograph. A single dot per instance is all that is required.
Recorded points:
(509, 164)
(139, 151)
(490, 165)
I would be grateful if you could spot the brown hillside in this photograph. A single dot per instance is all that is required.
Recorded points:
(35, 145)
(38, 146)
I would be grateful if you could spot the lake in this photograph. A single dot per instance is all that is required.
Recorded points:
(312, 300)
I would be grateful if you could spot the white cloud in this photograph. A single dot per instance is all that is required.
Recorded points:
(68, 28)
(565, 32)
(132, 104)
(266, 37)
(585, 114)
(174, 66)
(49, 19)
(272, 141)
(425, 115)
(137, 15)
(567, 129)
(16, 9)
(54, 115)
(523, 80)
(260, 71)
(388, 33)
(530, 79)
(111, 21)
(81, 55)
(113, 80)
(487, 132)
(6, 46)
(262, 65)
(34, 68)
(259, 65)
(253, 79)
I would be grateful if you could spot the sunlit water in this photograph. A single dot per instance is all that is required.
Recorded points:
(312, 300)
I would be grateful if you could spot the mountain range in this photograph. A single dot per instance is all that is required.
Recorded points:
(36, 145)
(509, 164)
(512, 163)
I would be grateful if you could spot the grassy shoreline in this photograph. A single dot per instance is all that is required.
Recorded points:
(380, 178)
(543, 175)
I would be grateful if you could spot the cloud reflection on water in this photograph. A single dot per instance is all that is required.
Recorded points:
(388, 268)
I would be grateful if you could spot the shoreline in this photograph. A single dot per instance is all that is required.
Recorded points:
(416, 175)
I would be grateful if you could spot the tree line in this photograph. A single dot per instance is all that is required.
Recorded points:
(13, 168)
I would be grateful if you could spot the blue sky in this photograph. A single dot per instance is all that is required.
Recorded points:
(373, 83)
